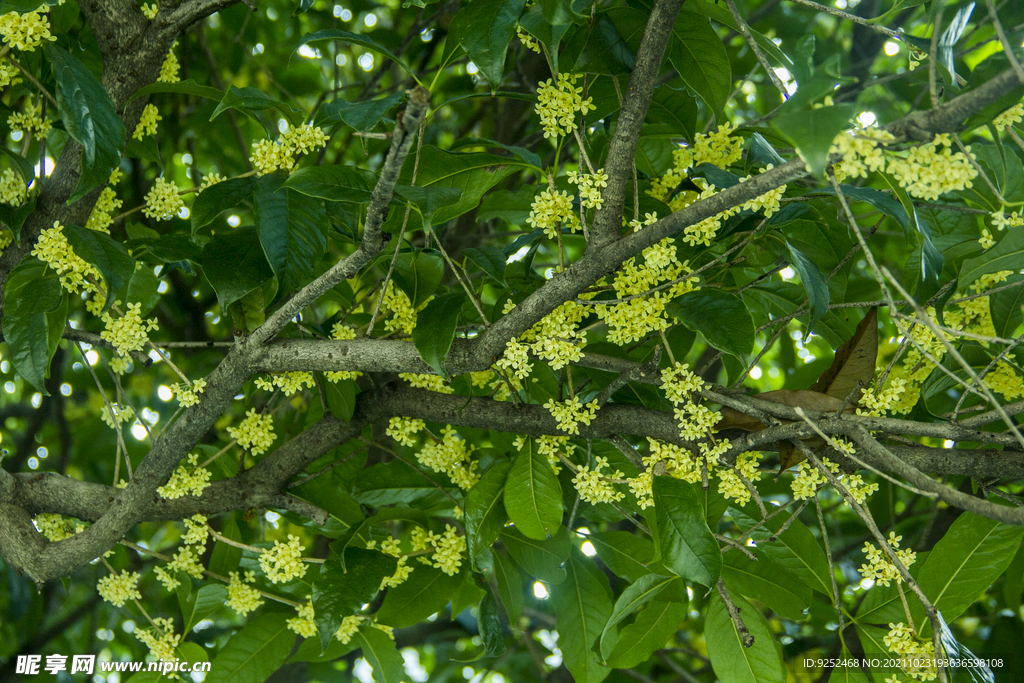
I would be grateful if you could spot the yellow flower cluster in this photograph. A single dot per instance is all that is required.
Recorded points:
(1005, 380)
(117, 589)
(30, 123)
(398, 305)
(695, 420)
(188, 395)
(147, 123)
(861, 151)
(5, 238)
(425, 381)
(932, 169)
(53, 249)
(451, 455)
(769, 202)
(287, 382)
(569, 414)
(404, 430)
(556, 338)
(13, 190)
(664, 458)
(102, 215)
(1000, 221)
(808, 479)
(187, 560)
(283, 562)
(169, 69)
(877, 405)
(729, 483)
(129, 332)
(917, 657)
(348, 628)
(720, 148)
(342, 332)
(1009, 117)
(881, 570)
(590, 187)
(390, 546)
(169, 581)
(163, 201)
(515, 360)
(303, 624)
(25, 31)
(121, 414)
(448, 550)
(526, 39)
(197, 531)
(211, 179)
(548, 446)
(189, 480)
(241, 597)
(594, 487)
(558, 101)
(254, 433)
(161, 647)
(53, 526)
(149, 11)
(269, 156)
(9, 74)
(551, 210)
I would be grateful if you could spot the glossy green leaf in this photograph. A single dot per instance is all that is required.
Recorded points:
(335, 183)
(1007, 254)
(362, 116)
(218, 198)
(882, 201)
(697, 53)
(225, 558)
(234, 264)
(812, 131)
(734, 663)
(626, 554)
(189, 87)
(89, 117)
(435, 329)
(485, 513)
(818, 295)
(653, 628)
(549, 35)
(428, 199)
(383, 516)
(932, 259)
(687, 544)
(795, 551)
(246, 100)
(418, 274)
(635, 596)
(510, 586)
(606, 50)
(533, 495)
(338, 593)
(109, 256)
(381, 654)
(341, 398)
(766, 582)
(354, 39)
(33, 302)
(721, 317)
(720, 14)
(491, 260)
(485, 28)
(203, 603)
(582, 605)
(426, 591)
(292, 229)
(541, 559)
(256, 651)
(489, 623)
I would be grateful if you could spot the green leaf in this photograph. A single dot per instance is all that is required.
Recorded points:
(582, 606)
(362, 116)
(203, 603)
(491, 260)
(355, 39)
(393, 482)
(336, 183)
(245, 100)
(426, 591)
(721, 15)
(812, 131)
(550, 35)
(292, 229)
(876, 198)
(697, 53)
(485, 514)
(474, 173)
(435, 330)
(675, 107)
(33, 302)
(721, 317)
(847, 674)
(606, 50)
(418, 274)
(234, 264)
(255, 652)
(796, 551)
(142, 289)
(383, 516)
(966, 561)
(338, 593)
(485, 28)
(626, 554)
(89, 117)
(761, 152)
(687, 544)
(381, 654)
(766, 582)
(225, 558)
(510, 587)
(818, 294)
(215, 199)
(1007, 254)
(932, 259)
(651, 630)
(489, 623)
(526, 155)
(533, 495)
(189, 87)
(428, 199)
(110, 257)
(540, 559)
(341, 398)
(635, 596)
(734, 663)
(1005, 307)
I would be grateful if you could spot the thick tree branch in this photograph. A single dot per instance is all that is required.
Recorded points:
(619, 165)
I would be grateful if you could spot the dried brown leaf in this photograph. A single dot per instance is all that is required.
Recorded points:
(854, 362)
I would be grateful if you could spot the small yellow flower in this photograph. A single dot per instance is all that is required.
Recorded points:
(147, 122)
(163, 201)
(283, 562)
(119, 588)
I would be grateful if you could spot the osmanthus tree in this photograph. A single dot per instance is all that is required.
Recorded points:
(501, 341)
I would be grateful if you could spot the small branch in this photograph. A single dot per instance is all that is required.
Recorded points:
(734, 614)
